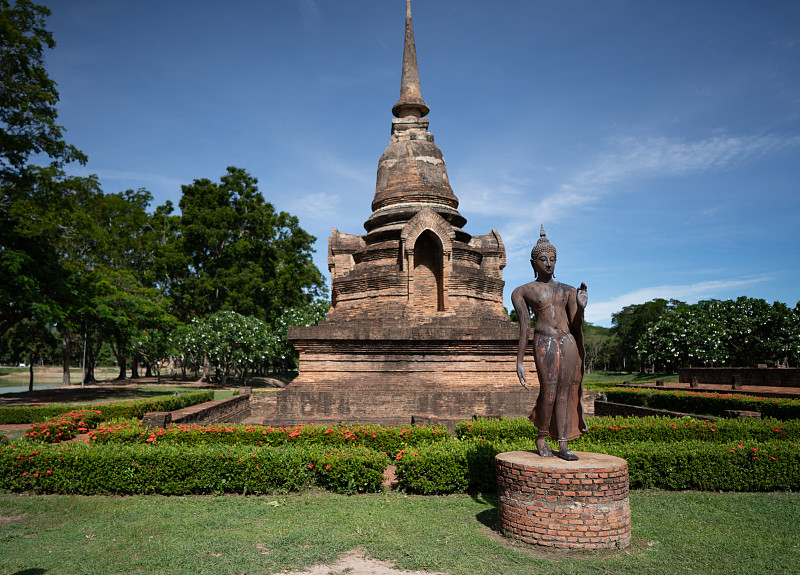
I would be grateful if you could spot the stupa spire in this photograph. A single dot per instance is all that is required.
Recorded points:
(410, 103)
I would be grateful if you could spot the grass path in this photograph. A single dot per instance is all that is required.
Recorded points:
(687, 532)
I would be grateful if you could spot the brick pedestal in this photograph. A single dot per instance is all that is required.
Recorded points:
(567, 504)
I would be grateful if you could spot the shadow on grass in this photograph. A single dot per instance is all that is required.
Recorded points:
(33, 571)
(487, 517)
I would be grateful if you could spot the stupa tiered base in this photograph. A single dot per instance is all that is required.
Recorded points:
(566, 504)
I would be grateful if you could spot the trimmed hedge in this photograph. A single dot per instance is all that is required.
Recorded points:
(179, 470)
(14, 414)
(496, 429)
(378, 438)
(663, 453)
(749, 466)
(706, 403)
(65, 427)
(654, 428)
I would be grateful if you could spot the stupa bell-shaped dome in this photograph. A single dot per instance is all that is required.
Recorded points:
(411, 172)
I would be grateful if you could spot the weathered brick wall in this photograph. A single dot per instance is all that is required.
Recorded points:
(567, 504)
(769, 376)
(397, 405)
(387, 372)
(230, 409)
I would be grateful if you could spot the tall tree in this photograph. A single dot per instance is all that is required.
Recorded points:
(241, 254)
(30, 339)
(595, 337)
(28, 96)
(631, 323)
(43, 255)
(33, 282)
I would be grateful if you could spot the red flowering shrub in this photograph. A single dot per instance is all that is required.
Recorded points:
(65, 427)
(177, 470)
(624, 429)
(351, 470)
(379, 438)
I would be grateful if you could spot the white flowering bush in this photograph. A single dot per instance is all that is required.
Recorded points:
(739, 332)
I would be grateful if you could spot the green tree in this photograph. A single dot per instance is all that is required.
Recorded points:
(595, 339)
(46, 243)
(631, 323)
(229, 341)
(689, 335)
(311, 314)
(736, 333)
(28, 96)
(239, 253)
(129, 316)
(34, 284)
(30, 339)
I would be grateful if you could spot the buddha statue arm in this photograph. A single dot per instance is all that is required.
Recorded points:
(576, 305)
(524, 315)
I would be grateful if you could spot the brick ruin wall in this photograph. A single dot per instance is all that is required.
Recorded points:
(759, 376)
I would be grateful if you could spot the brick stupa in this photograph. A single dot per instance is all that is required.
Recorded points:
(417, 328)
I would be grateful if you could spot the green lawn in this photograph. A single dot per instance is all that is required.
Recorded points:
(686, 532)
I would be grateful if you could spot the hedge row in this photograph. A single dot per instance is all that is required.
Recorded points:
(624, 429)
(65, 427)
(749, 466)
(13, 414)
(706, 403)
(386, 439)
(180, 470)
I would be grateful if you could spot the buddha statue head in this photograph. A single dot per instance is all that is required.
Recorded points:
(543, 257)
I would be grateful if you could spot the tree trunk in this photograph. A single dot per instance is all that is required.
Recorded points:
(122, 360)
(206, 369)
(66, 354)
(135, 366)
(147, 370)
(89, 365)
(171, 369)
(30, 369)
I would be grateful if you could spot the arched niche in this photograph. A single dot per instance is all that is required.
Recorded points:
(428, 274)
(427, 241)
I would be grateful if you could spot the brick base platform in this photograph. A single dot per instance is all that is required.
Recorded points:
(567, 504)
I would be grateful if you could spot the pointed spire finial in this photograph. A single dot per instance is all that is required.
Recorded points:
(410, 103)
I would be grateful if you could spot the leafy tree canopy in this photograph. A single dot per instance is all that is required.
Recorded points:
(233, 251)
(736, 333)
(28, 95)
(35, 202)
(632, 321)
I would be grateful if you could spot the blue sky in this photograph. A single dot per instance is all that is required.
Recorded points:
(658, 142)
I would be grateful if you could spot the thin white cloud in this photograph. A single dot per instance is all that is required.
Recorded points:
(321, 206)
(330, 164)
(600, 312)
(625, 159)
(631, 158)
(512, 201)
